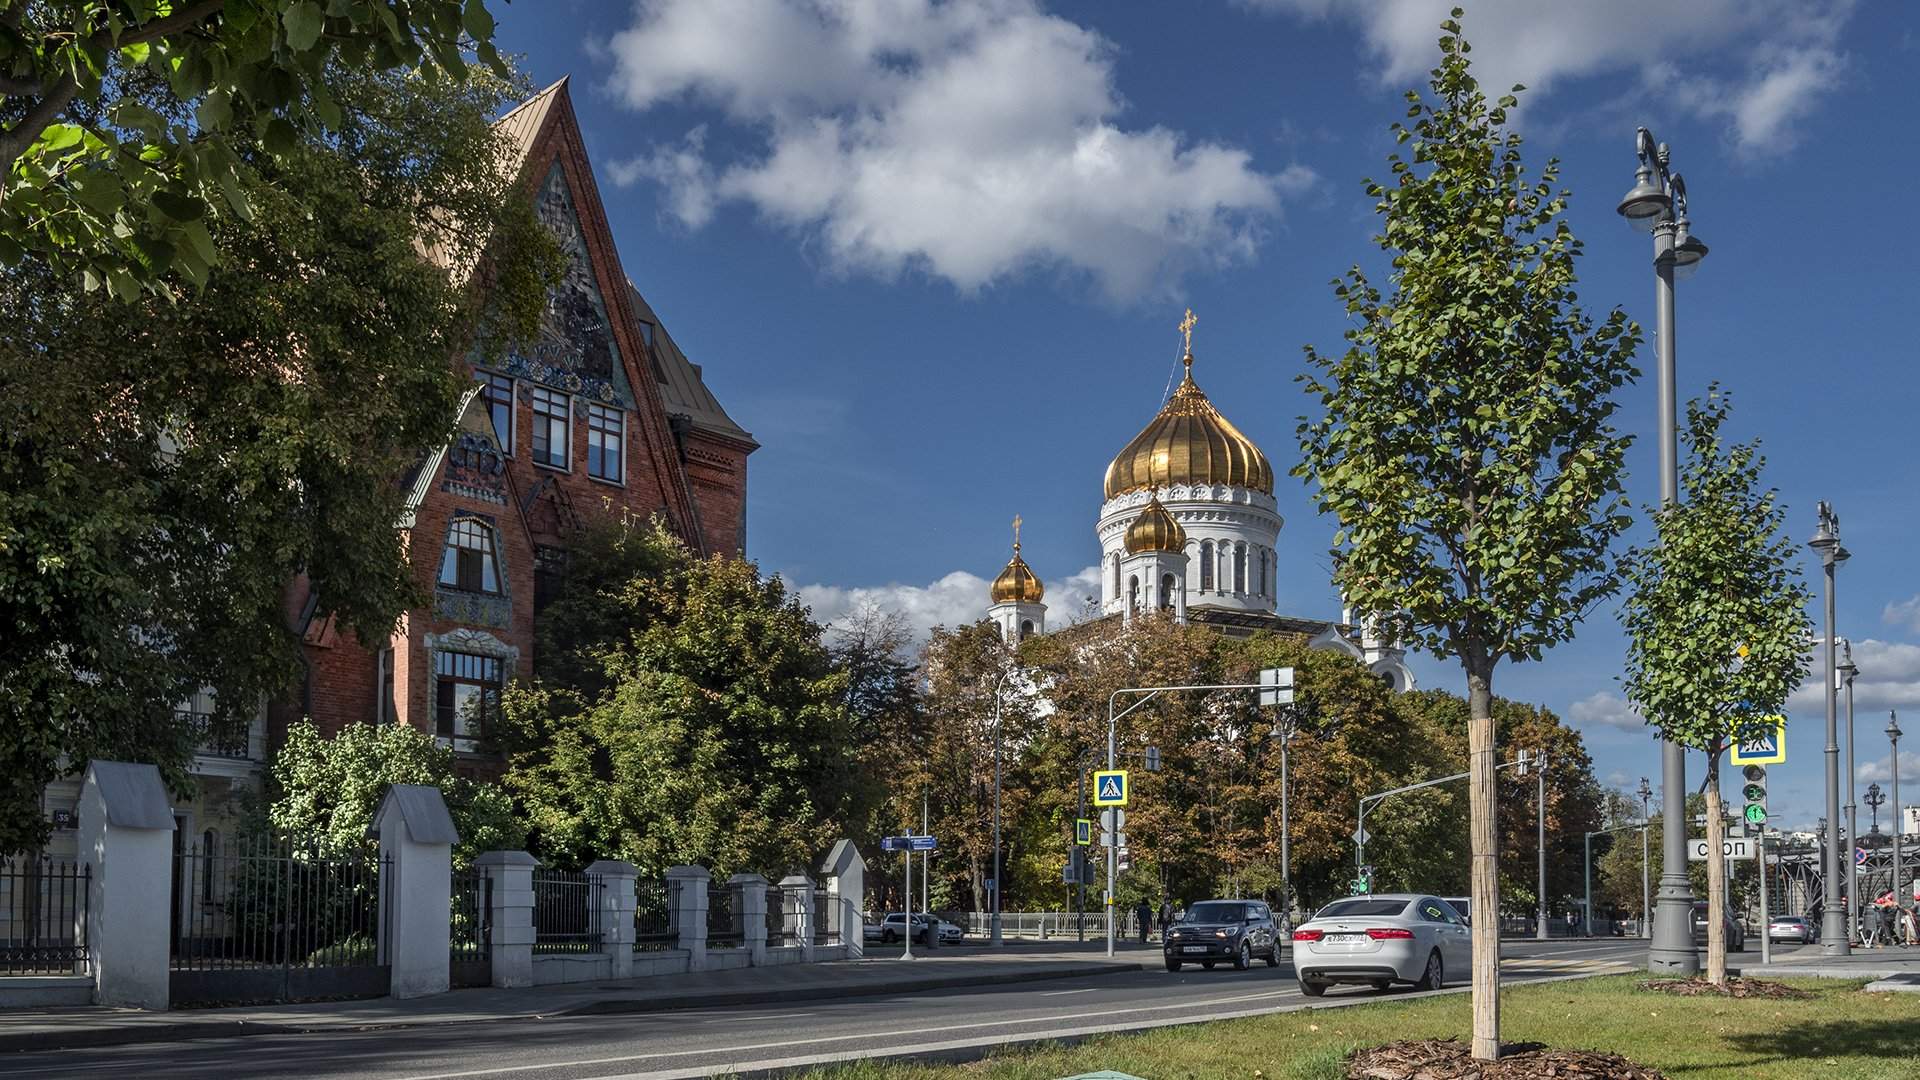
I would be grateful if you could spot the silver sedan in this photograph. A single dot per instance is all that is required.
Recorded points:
(1381, 940)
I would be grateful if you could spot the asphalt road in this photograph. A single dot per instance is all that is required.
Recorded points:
(693, 1042)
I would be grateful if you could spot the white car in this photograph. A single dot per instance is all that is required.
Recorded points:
(1381, 940)
(892, 928)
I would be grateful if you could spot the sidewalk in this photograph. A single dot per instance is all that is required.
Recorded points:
(886, 973)
(1896, 967)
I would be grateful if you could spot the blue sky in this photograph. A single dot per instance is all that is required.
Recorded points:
(933, 257)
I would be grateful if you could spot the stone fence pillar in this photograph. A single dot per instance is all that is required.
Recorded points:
(511, 873)
(687, 905)
(416, 882)
(796, 900)
(750, 906)
(612, 914)
(846, 874)
(126, 841)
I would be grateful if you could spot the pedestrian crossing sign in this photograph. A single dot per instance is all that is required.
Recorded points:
(1110, 788)
(1764, 742)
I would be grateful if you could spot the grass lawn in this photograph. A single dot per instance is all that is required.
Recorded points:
(1839, 1034)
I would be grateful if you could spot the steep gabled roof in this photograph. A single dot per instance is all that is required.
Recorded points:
(523, 123)
(681, 385)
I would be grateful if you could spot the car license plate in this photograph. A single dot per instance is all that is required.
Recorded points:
(1193, 948)
(1345, 939)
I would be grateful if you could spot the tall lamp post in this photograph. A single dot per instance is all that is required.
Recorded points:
(1875, 800)
(1657, 202)
(1847, 672)
(1833, 913)
(1893, 739)
(994, 933)
(1537, 760)
(1646, 895)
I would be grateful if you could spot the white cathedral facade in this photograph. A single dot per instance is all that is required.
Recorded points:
(1189, 526)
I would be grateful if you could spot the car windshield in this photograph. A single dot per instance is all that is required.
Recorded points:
(1217, 913)
(1350, 909)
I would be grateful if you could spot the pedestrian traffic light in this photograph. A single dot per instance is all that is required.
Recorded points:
(1756, 795)
(1125, 860)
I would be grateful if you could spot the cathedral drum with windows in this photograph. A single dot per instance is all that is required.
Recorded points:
(1189, 527)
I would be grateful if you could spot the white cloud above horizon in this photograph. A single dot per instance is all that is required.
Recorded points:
(969, 142)
(1889, 678)
(1604, 708)
(1903, 613)
(954, 599)
(1785, 53)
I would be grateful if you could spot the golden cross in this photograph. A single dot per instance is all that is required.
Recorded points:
(1186, 329)
(1016, 532)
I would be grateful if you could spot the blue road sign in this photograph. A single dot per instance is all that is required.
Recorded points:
(1110, 788)
(908, 843)
(1859, 856)
(922, 843)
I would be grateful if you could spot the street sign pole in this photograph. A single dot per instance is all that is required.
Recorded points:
(1766, 916)
(906, 929)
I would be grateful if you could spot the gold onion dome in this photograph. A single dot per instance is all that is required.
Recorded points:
(1017, 584)
(1189, 443)
(1155, 530)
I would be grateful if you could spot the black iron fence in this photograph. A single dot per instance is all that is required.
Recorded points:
(470, 944)
(653, 927)
(264, 921)
(726, 929)
(564, 906)
(43, 916)
(826, 918)
(783, 924)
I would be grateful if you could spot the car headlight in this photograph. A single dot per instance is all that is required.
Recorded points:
(1231, 931)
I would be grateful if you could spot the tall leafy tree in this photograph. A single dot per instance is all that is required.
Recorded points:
(126, 126)
(721, 735)
(167, 469)
(1716, 618)
(1465, 443)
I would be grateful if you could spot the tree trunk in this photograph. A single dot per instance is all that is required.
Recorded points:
(1716, 875)
(1484, 807)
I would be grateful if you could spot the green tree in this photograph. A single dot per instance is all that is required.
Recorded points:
(167, 469)
(722, 736)
(1716, 618)
(327, 789)
(128, 126)
(1465, 444)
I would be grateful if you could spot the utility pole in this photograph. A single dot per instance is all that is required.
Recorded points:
(1847, 672)
(1646, 896)
(1833, 911)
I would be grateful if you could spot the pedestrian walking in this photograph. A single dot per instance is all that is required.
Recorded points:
(1166, 916)
(1143, 912)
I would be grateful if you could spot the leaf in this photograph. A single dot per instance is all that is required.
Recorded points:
(179, 207)
(56, 137)
(477, 20)
(280, 136)
(215, 110)
(303, 21)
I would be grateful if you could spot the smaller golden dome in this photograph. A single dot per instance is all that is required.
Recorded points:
(1017, 584)
(1155, 530)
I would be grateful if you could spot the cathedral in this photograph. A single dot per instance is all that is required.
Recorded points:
(1188, 526)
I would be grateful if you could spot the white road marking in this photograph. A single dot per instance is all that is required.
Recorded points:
(759, 1016)
(1082, 990)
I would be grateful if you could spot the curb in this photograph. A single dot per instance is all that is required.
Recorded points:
(70, 1038)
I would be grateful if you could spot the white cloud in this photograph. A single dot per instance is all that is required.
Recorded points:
(1784, 53)
(953, 600)
(1881, 770)
(1905, 613)
(1605, 709)
(1889, 678)
(967, 141)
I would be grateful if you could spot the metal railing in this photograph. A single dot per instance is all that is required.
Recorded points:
(564, 903)
(43, 916)
(826, 919)
(244, 906)
(653, 927)
(725, 930)
(470, 941)
(216, 740)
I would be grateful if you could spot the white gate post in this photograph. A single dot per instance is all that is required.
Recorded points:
(796, 901)
(126, 841)
(612, 916)
(416, 884)
(687, 900)
(846, 874)
(511, 873)
(750, 905)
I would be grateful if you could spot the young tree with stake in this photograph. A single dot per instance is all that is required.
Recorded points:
(1465, 444)
(1716, 620)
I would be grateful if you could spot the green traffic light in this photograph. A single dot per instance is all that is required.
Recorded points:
(1755, 793)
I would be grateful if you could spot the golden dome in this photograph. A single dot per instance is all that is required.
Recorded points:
(1189, 443)
(1017, 584)
(1155, 530)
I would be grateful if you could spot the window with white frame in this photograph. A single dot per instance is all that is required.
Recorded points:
(466, 697)
(552, 417)
(497, 390)
(470, 562)
(606, 428)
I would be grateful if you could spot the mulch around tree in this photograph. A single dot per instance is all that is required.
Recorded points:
(1451, 1059)
(1736, 987)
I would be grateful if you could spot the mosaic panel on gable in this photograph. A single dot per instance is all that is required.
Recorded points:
(475, 469)
(575, 350)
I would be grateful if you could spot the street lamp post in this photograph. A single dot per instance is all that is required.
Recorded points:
(1833, 913)
(1646, 895)
(1658, 202)
(1893, 739)
(1537, 760)
(1847, 672)
(1000, 685)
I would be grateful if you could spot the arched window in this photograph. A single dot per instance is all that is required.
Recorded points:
(1239, 568)
(1116, 575)
(1261, 565)
(1166, 591)
(469, 562)
(1026, 629)
(1133, 594)
(1206, 565)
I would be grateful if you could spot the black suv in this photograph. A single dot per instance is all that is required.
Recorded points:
(1216, 930)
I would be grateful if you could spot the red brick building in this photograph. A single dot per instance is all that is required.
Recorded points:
(603, 418)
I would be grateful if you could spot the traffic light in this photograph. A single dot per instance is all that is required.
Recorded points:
(1755, 791)
(1125, 860)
